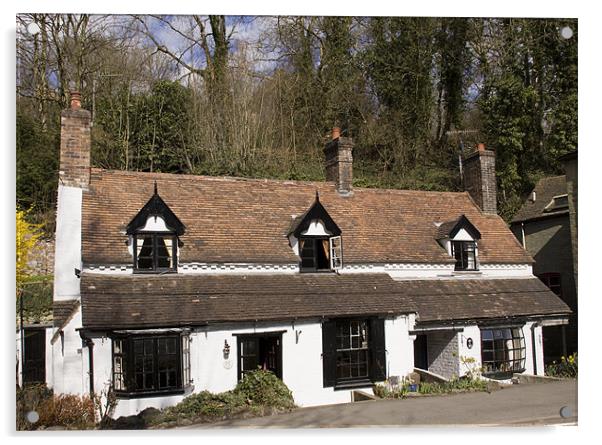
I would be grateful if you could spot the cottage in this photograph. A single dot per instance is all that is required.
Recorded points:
(546, 226)
(170, 284)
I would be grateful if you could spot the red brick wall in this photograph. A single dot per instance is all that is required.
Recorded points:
(75, 148)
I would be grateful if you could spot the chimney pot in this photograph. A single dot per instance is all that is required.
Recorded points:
(481, 147)
(336, 133)
(76, 100)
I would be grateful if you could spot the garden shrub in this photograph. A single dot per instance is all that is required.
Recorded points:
(67, 410)
(264, 388)
(258, 393)
(29, 399)
(567, 367)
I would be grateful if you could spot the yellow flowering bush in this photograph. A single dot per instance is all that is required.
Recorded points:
(567, 367)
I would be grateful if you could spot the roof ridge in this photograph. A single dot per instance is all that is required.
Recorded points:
(266, 180)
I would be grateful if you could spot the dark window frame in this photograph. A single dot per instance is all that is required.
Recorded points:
(155, 260)
(315, 239)
(502, 366)
(351, 351)
(124, 379)
(256, 336)
(547, 278)
(374, 357)
(464, 253)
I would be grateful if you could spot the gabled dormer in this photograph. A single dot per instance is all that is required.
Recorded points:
(154, 233)
(316, 238)
(460, 238)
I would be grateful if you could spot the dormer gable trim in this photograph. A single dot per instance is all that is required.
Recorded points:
(315, 212)
(450, 229)
(158, 208)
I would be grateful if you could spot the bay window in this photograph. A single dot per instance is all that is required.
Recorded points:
(503, 352)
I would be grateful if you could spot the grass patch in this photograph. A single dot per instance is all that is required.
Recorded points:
(456, 385)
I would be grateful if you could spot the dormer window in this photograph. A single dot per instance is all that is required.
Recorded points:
(559, 202)
(320, 245)
(460, 237)
(154, 232)
(155, 252)
(465, 254)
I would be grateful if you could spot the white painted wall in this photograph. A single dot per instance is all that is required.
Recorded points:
(474, 333)
(316, 228)
(69, 360)
(67, 256)
(301, 362)
(154, 224)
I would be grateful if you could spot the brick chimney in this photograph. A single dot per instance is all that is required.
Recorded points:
(339, 161)
(74, 168)
(479, 178)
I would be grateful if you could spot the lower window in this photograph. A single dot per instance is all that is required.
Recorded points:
(353, 352)
(352, 349)
(151, 364)
(503, 352)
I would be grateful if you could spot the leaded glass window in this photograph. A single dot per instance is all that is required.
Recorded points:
(503, 352)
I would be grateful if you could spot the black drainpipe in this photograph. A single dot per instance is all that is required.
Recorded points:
(90, 345)
(533, 343)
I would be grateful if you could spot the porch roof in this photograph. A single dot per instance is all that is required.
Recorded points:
(142, 301)
(447, 300)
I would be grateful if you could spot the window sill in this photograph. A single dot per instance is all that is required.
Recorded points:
(155, 272)
(502, 375)
(468, 272)
(353, 384)
(146, 394)
(317, 271)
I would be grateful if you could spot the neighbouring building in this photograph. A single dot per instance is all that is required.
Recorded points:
(167, 284)
(546, 226)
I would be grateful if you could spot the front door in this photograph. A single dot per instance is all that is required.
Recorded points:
(421, 352)
(260, 351)
(34, 360)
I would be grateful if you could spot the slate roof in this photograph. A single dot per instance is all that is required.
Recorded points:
(139, 301)
(235, 220)
(479, 299)
(544, 190)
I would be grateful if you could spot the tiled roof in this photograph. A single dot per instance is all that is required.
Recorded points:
(142, 301)
(128, 301)
(474, 299)
(544, 190)
(62, 310)
(246, 220)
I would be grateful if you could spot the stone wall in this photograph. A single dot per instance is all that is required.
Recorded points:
(480, 180)
(41, 258)
(442, 350)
